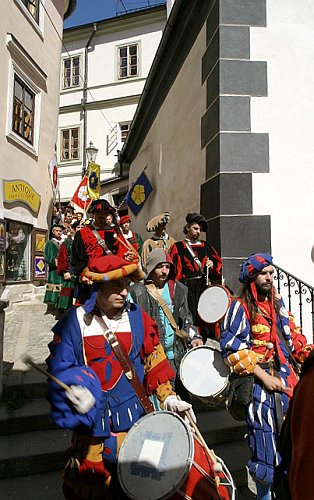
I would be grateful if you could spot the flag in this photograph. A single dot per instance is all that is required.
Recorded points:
(53, 171)
(138, 193)
(93, 185)
(81, 198)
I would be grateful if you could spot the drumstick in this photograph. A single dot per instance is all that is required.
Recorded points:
(211, 454)
(28, 361)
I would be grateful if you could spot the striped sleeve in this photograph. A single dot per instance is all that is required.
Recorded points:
(236, 334)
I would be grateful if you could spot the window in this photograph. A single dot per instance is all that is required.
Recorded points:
(71, 72)
(33, 8)
(17, 251)
(70, 144)
(128, 61)
(124, 131)
(23, 110)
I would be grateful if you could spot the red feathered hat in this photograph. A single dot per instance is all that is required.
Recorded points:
(111, 268)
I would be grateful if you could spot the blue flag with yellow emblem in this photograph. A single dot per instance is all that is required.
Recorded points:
(138, 193)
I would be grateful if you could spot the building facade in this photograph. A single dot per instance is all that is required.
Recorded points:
(230, 132)
(30, 52)
(104, 67)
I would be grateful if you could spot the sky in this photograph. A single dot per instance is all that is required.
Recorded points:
(88, 11)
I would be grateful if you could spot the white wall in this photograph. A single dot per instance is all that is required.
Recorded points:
(287, 114)
(104, 86)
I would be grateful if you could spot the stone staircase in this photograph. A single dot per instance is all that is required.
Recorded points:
(32, 448)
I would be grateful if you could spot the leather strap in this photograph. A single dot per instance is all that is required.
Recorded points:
(195, 258)
(127, 367)
(101, 242)
(156, 295)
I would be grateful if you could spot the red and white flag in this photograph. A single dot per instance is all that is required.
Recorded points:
(81, 198)
(54, 177)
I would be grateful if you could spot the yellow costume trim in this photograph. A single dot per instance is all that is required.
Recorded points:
(154, 358)
(243, 361)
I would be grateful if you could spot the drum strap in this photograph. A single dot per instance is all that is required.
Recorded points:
(195, 258)
(127, 367)
(101, 242)
(152, 290)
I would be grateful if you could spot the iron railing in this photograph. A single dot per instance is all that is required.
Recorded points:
(299, 299)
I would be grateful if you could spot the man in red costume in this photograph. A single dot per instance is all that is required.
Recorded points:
(103, 401)
(95, 240)
(133, 238)
(195, 259)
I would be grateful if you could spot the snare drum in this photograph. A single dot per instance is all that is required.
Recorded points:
(204, 373)
(213, 303)
(160, 458)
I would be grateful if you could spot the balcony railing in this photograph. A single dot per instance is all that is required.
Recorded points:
(299, 299)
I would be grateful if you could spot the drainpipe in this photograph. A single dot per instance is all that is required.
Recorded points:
(84, 99)
(3, 305)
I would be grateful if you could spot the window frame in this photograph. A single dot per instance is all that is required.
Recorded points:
(118, 72)
(39, 24)
(21, 117)
(60, 144)
(71, 86)
(15, 71)
(36, 4)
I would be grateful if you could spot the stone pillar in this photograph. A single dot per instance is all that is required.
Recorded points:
(233, 152)
(3, 305)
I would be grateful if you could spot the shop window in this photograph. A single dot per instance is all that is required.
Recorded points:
(17, 258)
(71, 72)
(70, 144)
(128, 66)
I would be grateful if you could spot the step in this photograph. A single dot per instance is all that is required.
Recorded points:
(33, 452)
(33, 415)
(30, 383)
(217, 426)
(44, 486)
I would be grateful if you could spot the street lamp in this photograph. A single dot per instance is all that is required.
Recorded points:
(91, 153)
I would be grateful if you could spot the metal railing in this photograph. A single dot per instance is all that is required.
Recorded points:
(299, 299)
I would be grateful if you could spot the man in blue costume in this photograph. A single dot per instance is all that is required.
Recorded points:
(102, 403)
(257, 335)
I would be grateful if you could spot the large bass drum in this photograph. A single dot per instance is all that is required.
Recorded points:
(160, 458)
(204, 373)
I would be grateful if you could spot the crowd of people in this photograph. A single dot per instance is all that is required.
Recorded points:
(136, 313)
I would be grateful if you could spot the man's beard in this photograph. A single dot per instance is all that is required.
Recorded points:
(264, 290)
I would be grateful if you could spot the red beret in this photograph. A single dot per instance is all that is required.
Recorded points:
(124, 218)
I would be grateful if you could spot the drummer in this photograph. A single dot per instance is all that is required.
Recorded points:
(160, 294)
(197, 263)
(103, 401)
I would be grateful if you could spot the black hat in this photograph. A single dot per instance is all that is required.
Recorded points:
(61, 226)
(195, 218)
(100, 205)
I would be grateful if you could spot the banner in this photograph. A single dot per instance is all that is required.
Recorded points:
(81, 199)
(93, 180)
(54, 177)
(139, 193)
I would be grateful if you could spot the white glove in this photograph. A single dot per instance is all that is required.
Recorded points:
(81, 398)
(172, 403)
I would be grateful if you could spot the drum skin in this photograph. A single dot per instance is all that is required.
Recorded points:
(161, 458)
(204, 373)
(214, 303)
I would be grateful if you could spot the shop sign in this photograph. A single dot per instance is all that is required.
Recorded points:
(18, 190)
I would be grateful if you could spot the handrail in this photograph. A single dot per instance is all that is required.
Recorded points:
(299, 295)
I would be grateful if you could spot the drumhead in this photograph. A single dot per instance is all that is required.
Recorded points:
(213, 304)
(203, 372)
(155, 457)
